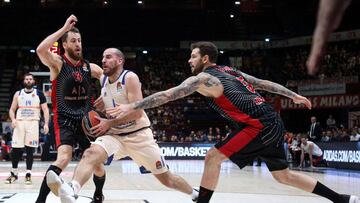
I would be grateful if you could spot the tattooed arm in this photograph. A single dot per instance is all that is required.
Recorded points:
(189, 86)
(275, 88)
(268, 86)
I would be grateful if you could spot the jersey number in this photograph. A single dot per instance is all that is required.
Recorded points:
(246, 84)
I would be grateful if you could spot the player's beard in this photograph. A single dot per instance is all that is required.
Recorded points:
(28, 85)
(109, 71)
(198, 68)
(73, 55)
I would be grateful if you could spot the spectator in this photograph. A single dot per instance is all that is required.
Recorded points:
(355, 136)
(315, 130)
(330, 122)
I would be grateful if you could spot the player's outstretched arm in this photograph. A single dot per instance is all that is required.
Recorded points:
(275, 88)
(187, 87)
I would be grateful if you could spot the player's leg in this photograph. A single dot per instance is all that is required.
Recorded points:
(99, 181)
(98, 170)
(31, 143)
(232, 146)
(142, 148)
(64, 154)
(91, 162)
(29, 163)
(210, 177)
(18, 141)
(310, 184)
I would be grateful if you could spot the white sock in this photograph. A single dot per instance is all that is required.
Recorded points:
(76, 185)
(28, 171)
(194, 194)
(15, 171)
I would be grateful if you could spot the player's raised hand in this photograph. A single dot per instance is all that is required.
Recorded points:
(70, 22)
(298, 99)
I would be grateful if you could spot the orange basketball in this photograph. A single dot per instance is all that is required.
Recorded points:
(89, 120)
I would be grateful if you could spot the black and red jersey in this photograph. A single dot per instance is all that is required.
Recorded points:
(240, 103)
(71, 90)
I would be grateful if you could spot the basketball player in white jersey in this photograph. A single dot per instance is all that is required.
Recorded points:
(310, 148)
(130, 136)
(28, 102)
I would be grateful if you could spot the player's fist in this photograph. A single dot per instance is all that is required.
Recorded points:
(70, 22)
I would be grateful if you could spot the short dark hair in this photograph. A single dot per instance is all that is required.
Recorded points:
(28, 74)
(74, 30)
(206, 48)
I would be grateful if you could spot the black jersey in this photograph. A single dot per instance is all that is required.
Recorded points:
(240, 103)
(71, 90)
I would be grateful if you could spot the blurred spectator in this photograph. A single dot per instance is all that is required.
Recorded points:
(330, 122)
(355, 136)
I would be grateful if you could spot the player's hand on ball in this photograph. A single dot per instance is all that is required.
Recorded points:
(101, 128)
(70, 22)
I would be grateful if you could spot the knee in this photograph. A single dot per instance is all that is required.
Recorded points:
(91, 155)
(214, 156)
(62, 161)
(285, 177)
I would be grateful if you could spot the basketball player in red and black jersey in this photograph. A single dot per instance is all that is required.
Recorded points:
(259, 129)
(71, 93)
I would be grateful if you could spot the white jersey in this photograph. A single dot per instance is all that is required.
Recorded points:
(115, 93)
(28, 105)
(316, 149)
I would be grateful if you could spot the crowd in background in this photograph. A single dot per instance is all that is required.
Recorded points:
(161, 70)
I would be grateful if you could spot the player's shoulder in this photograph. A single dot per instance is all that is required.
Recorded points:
(130, 75)
(17, 93)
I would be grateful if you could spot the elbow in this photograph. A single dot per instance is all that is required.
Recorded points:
(40, 50)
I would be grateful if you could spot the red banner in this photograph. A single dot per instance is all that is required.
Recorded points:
(321, 102)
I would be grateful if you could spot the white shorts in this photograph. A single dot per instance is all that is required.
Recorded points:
(139, 146)
(26, 133)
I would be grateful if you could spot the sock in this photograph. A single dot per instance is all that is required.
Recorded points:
(28, 171)
(204, 195)
(29, 157)
(194, 194)
(99, 184)
(326, 192)
(15, 171)
(44, 189)
(76, 185)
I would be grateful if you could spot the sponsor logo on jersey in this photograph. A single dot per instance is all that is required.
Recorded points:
(77, 77)
(118, 86)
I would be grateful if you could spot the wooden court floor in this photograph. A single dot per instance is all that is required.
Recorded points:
(125, 183)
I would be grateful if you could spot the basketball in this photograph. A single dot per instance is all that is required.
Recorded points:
(89, 120)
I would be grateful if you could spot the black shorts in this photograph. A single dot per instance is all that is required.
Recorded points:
(69, 132)
(244, 145)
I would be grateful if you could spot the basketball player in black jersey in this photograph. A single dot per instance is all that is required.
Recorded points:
(259, 129)
(71, 77)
